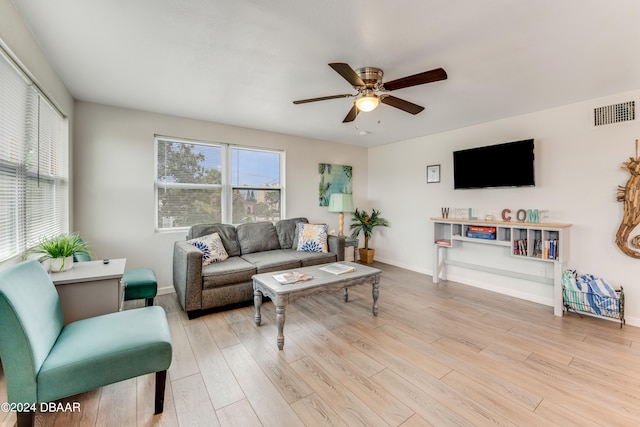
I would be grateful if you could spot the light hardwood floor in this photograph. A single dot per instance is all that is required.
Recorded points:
(440, 355)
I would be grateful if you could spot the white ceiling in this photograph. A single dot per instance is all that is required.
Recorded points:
(243, 62)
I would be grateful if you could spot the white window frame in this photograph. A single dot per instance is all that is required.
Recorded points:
(226, 187)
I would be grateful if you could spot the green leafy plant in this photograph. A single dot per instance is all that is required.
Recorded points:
(365, 223)
(60, 246)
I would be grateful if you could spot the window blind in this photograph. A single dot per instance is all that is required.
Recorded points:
(33, 164)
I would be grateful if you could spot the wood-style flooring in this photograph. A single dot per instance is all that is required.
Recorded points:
(440, 355)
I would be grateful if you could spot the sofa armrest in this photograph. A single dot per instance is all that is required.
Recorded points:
(336, 246)
(187, 275)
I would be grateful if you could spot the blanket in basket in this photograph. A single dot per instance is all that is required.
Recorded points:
(589, 293)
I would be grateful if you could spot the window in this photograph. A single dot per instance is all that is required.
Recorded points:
(255, 180)
(33, 164)
(198, 182)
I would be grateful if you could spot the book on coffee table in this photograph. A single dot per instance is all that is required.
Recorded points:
(291, 277)
(337, 268)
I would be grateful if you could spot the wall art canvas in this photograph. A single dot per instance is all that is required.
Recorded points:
(333, 179)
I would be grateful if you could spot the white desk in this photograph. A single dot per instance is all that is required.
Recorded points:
(90, 289)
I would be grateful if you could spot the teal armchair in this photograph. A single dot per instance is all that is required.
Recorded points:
(44, 360)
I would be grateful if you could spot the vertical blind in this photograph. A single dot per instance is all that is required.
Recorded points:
(34, 171)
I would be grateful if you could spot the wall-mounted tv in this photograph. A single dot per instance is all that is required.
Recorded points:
(501, 165)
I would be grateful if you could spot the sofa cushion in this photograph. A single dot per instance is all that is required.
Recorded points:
(211, 247)
(257, 237)
(308, 259)
(287, 231)
(278, 259)
(227, 233)
(233, 270)
(312, 237)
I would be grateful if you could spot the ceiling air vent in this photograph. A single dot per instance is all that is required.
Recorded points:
(615, 113)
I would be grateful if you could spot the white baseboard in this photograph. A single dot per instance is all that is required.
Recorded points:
(166, 290)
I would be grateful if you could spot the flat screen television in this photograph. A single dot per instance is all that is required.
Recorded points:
(502, 165)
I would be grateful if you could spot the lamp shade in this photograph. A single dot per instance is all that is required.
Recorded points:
(341, 202)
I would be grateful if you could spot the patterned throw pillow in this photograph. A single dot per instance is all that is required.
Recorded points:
(211, 247)
(312, 237)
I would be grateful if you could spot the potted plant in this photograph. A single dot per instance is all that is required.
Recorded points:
(365, 223)
(60, 250)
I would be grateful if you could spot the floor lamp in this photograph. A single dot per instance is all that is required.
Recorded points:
(341, 203)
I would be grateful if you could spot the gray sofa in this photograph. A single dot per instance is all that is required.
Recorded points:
(253, 248)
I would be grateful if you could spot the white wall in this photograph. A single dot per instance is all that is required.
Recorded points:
(113, 186)
(577, 174)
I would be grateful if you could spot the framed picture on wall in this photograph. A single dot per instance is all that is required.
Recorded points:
(334, 179)
(433, 174)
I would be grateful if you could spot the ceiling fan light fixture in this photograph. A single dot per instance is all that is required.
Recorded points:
(368, 101)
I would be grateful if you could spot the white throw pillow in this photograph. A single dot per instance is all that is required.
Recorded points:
(212, 248)
(312, 237)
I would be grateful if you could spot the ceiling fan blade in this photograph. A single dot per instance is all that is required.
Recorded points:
(351, 116)
(416, 79)
(407, 106)
(347, 73)
(322, 98)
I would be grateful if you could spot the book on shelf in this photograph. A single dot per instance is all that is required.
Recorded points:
(443, 242)
(520, 247)
(550, 250)
(483, 229)
(481, 235)
(337, 268)
(291, 277)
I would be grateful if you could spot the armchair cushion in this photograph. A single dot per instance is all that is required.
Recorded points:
(105, 349)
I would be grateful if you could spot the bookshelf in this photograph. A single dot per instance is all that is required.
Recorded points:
(543, 243)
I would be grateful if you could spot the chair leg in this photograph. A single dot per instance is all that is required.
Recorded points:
(161, 379)
(26, 419)
(148, 302)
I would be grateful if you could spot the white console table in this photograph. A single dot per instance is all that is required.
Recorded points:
(90, 289)
(520, 239)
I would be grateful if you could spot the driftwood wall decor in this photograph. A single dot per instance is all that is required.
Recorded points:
(630, 196)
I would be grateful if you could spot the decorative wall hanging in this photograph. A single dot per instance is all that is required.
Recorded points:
(433, 173)
(333, 179)
(630, 196)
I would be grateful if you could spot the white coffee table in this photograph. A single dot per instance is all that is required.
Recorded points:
(265, 285)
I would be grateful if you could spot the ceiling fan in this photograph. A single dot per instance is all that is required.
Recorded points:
(371, 91)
